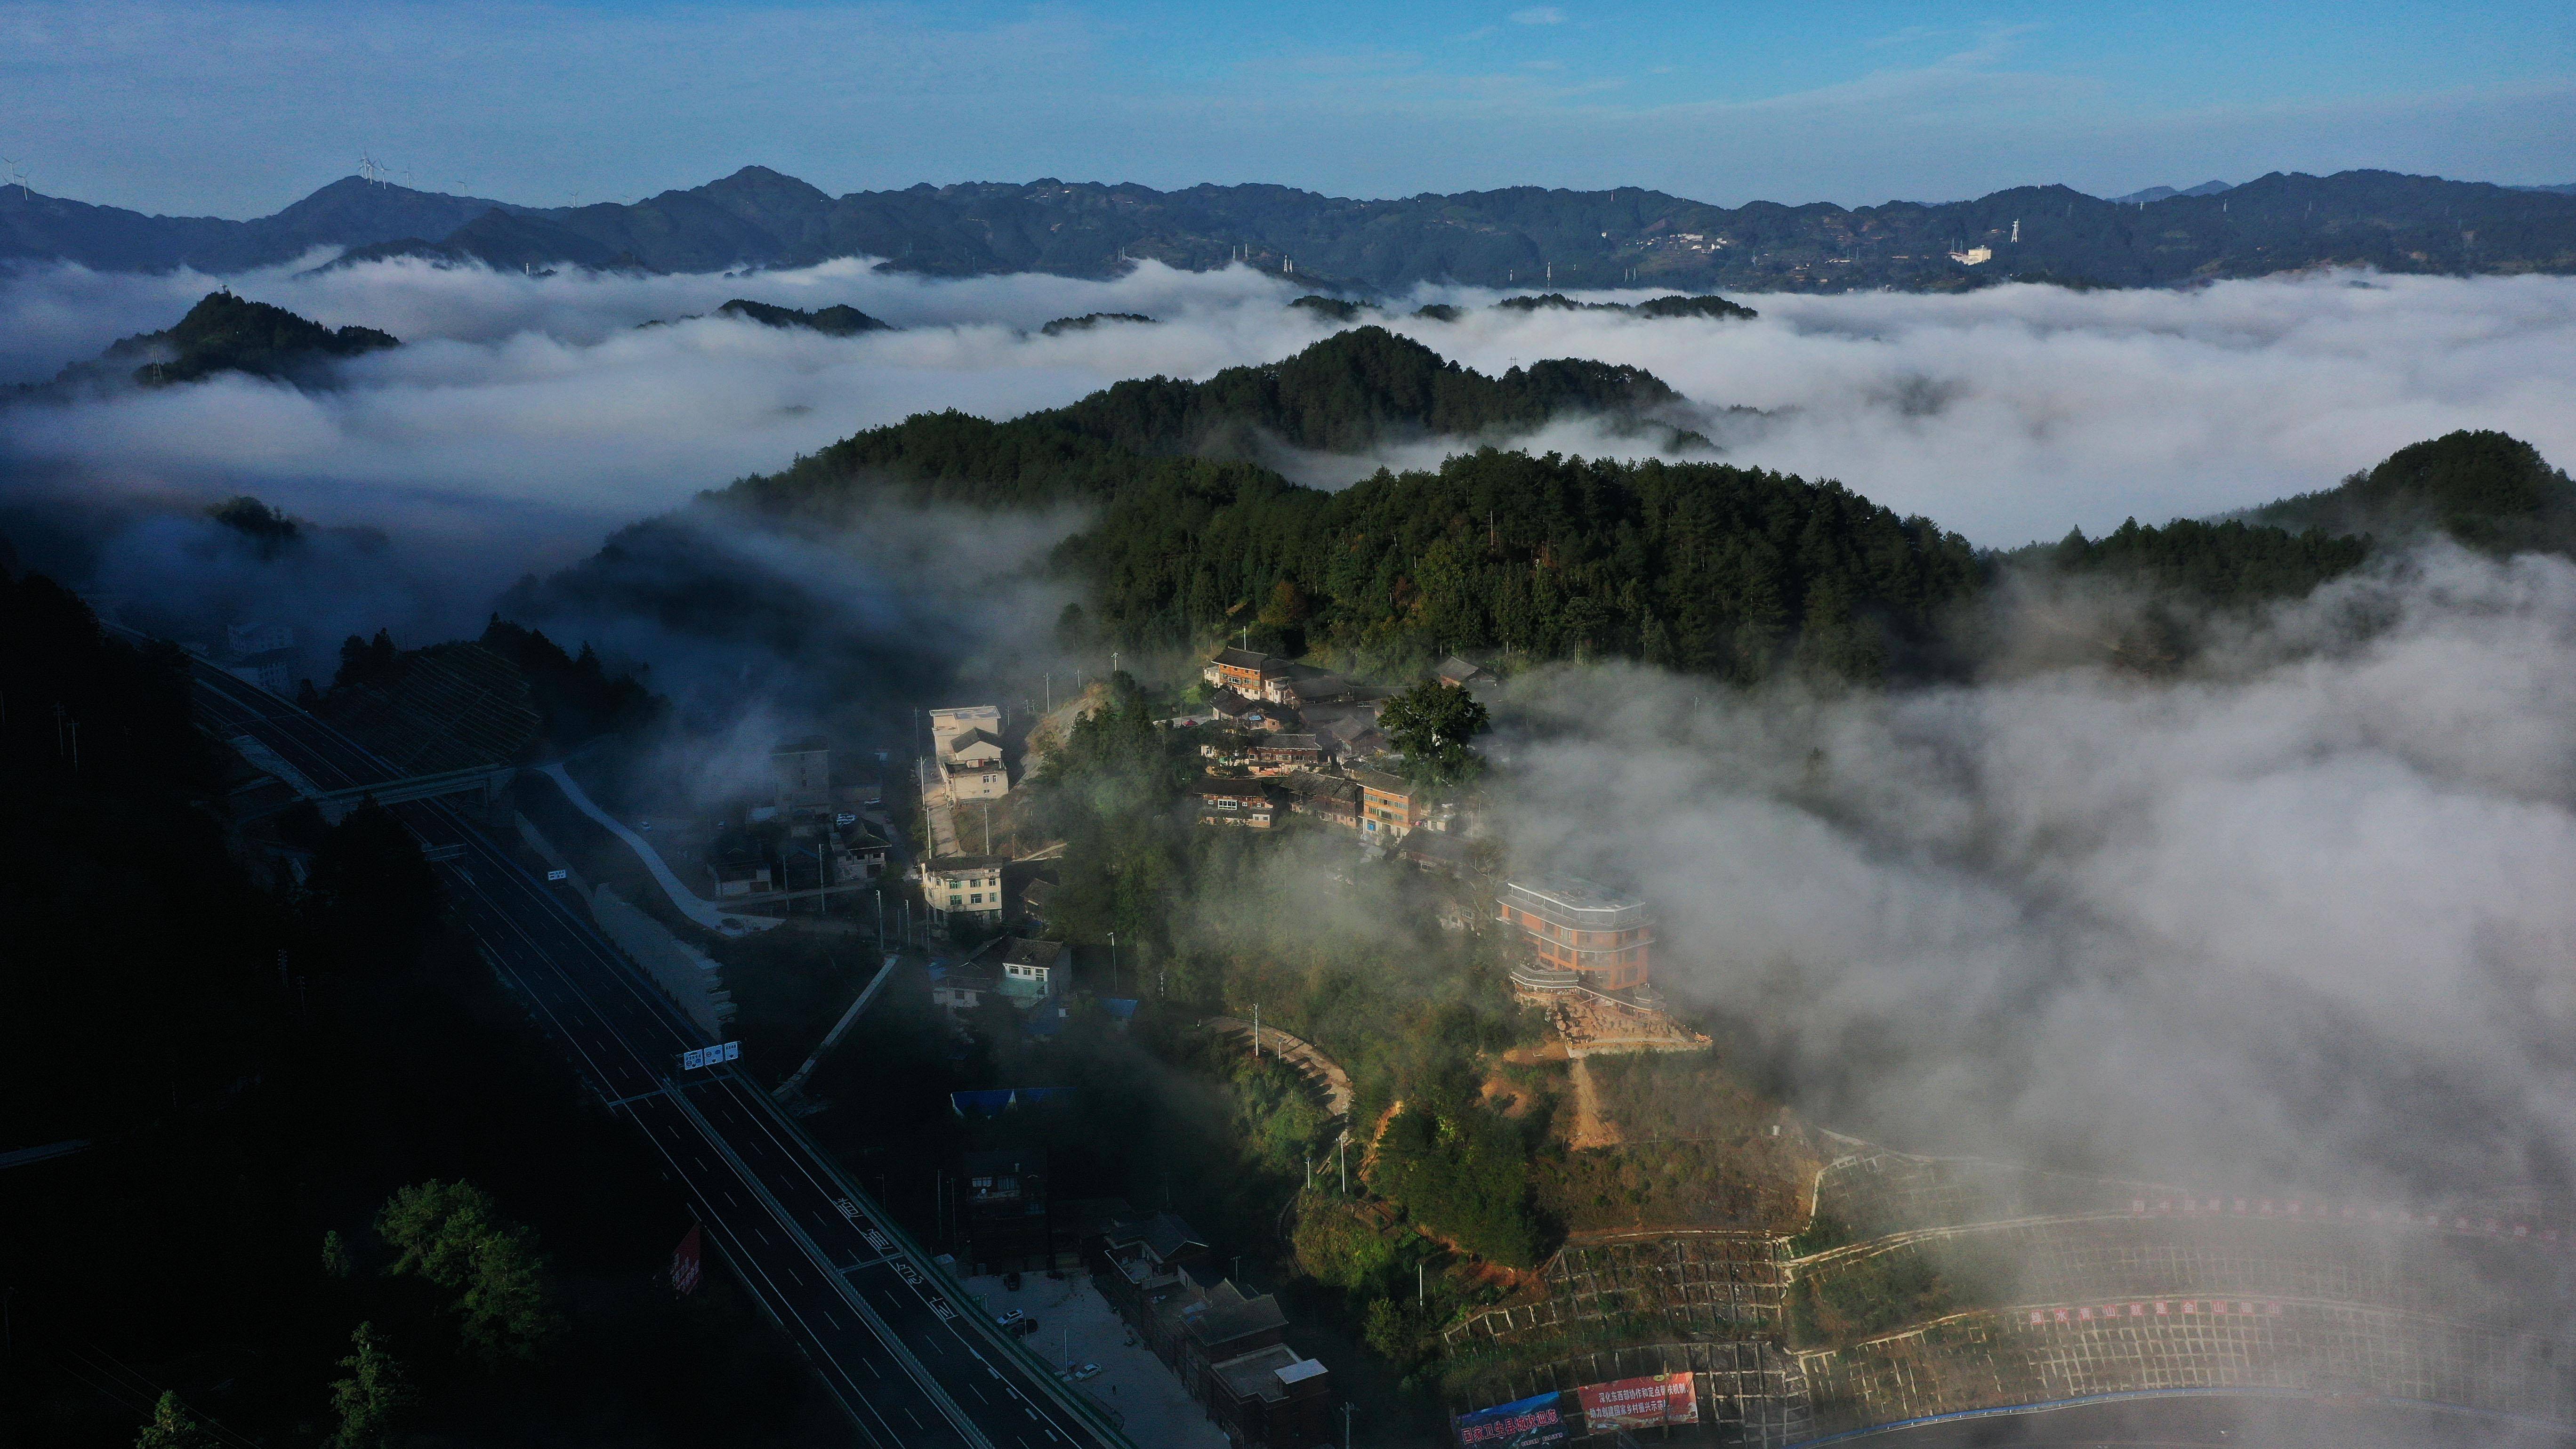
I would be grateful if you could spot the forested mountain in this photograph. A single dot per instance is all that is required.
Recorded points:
(1349, 392)
(347, 213)
(1516, 236)
(226, 333)
(1729, 571)
(2234, 562)
(837, 320)
(2486, 489)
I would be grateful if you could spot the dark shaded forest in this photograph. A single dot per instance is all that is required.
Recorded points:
(273, 1098)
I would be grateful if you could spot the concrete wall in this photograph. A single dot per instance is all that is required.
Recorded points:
(686, 974)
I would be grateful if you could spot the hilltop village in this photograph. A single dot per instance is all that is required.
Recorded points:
(1477, 1168)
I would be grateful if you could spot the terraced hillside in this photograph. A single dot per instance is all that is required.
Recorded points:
(1920, 1287)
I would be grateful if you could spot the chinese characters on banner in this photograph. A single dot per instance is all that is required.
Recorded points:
(1639, 1403)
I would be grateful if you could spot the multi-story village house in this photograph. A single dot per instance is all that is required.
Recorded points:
(1579, 934)
(969, 885)
(1390, 805)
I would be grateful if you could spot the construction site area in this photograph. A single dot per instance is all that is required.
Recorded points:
(1898, 1288)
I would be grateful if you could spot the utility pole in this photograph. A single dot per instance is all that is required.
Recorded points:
(1256, 1031)
(1348, 1409)
(1342, 1155)
(1113, 963)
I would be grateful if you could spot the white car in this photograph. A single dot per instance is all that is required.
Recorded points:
(1005, 1320)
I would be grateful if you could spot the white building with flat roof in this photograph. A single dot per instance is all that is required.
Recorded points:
(963, 885)
(967, 744)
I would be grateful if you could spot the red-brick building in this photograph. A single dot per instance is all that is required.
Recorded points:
(1572, 926)
(1244, 671)
(1390, 805)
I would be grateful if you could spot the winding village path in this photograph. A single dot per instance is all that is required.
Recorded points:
(1325, 1073)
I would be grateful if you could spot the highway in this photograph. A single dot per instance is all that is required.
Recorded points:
(915, 1367)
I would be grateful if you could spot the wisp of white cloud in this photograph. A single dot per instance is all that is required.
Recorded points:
(525, 417)
(2299, 920)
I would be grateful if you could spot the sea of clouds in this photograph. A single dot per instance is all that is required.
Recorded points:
(2297, 921)
(2010, 414)
(2301, 915)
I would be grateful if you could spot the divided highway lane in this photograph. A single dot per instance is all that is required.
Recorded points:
(911, 1366)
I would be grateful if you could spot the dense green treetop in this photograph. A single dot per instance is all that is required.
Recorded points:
(1733, 571)
(1433, 724)
(2219, 563)
(452, 1234)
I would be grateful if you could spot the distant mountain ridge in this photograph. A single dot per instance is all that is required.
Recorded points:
(2159, 193)
(1521, 236)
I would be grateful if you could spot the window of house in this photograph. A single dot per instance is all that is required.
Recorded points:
(977, 898)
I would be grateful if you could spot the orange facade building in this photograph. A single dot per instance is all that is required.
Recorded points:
(1601, 937)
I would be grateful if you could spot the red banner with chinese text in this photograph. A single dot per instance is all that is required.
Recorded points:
(1639, 1403)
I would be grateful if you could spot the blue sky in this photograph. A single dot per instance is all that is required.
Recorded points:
(235, 107)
